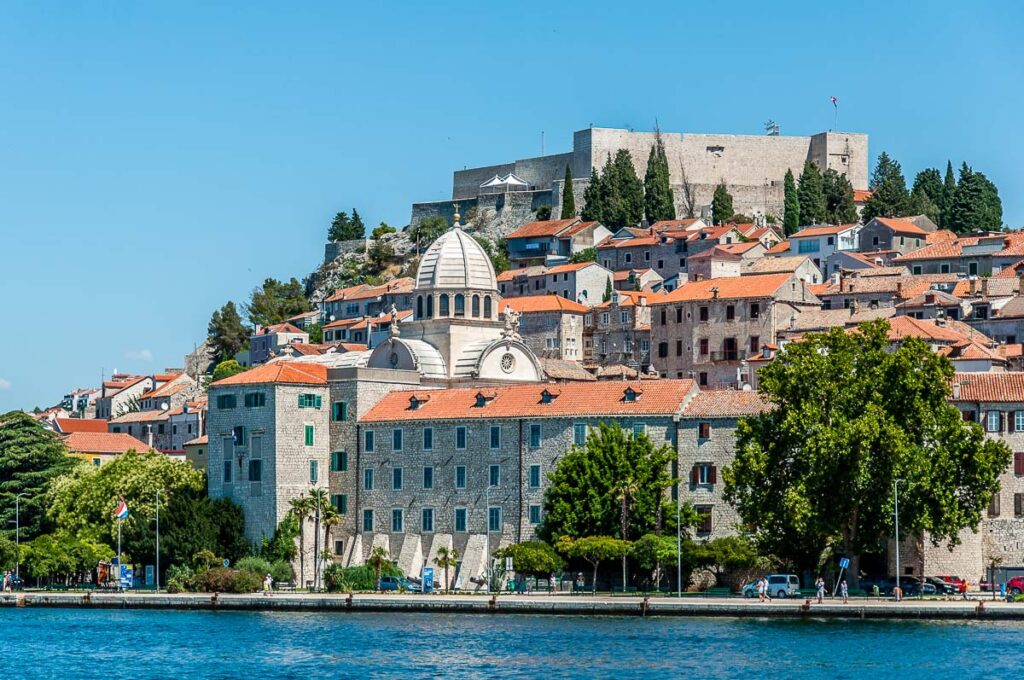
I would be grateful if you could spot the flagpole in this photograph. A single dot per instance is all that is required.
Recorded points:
(118, 576)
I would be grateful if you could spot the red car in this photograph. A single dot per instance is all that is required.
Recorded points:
(955, 580)
(1015, 586)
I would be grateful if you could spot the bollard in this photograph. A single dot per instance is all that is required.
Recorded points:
(492, 604)
(643, 606)
(348, 601)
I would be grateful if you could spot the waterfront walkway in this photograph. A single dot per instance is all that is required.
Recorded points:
(599, 605)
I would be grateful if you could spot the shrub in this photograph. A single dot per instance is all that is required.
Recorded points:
(180, 579)
(257, 565)
(246, 582)
(281, 571)
(216, 580)
(339, 578)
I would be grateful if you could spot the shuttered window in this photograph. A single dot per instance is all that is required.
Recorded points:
(993, 506)
(1018, 463)
(1018, 504)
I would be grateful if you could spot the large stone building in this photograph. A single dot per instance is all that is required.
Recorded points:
(752, 166)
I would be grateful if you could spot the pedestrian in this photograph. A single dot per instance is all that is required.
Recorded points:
(581, 583)
(268, 585)
(844, 591)
(820, 587)
(762, 588)
(963, 589)
(898, 593)
(7, 581)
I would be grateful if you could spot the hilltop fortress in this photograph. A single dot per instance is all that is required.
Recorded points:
(508, 195)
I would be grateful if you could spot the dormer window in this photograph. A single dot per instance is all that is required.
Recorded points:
(630, 394)
(483, 397)
(548, 396)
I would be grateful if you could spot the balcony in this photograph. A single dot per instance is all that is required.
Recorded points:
(729, 355)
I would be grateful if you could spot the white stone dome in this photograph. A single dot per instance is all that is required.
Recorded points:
(453, 261)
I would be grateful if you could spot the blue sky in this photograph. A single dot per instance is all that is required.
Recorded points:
(157, 160)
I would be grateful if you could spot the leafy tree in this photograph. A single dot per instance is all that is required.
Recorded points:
(31, 457)
(839, 206)
(976, 205)
(607, 291)
(920, 204)
(378, 558)
(381, 230)
(585, 255)
(568, 198)
(659, 203)
(447, 558)
(344, 228)
(281, 546)
(929, 183)
(791, 216)
(813, 207)
(301, 508)
(721, 205)
(498, 253)
(624, 202)
(62, 556)
(316, 333)
(226, 332)
(276, 301)
(890, 197)
(226, 369)
(358, 228)
(532, 557)
(815, 473)
(948, 195)
(593, 199)
(728, 553)
(426, 231)
(593, 550)
(191, 523)
(381, 253)
(592, 483)
(8, 553)
(544, 213)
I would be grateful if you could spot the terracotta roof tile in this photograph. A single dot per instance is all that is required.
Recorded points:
(778, 248)
(939, 251)
(198, 441)
(666, 225)
(992, 387)
(68, 425)
(928, 329)
(822, 230)
(280, 328)
(102, 442)
(548, 228)
(994, 287)
(363, 291)
(729, 288)
(150, 416)
(902, 226)
(281, 372)
(726, 403)
(544, 303)
(940, 236)
(862, 195)
(563, 369)
(776, 265)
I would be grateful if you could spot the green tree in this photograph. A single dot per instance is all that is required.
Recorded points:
(593, 550)
(624, 193)
(381, 230)
(378, 558)
(301, 508)
(227, 333)
(585, 255)
(344, 228)
(532, 557)
(839, 206)
(607, 291)
(659, 203)
(568, 198)
(721, 205)
(920, 204)
(544, 213)
(8, 553)
(948, 195)
(447, 558)
(62, 556)
(929, 183)
(890, 197)
(813, 207)
(653, 553)
(381, 253)
(276, 301)
(814, 474)
(728, 553)
(976, 205)
(31, 457)
(316, 333)
(593, 199)
(791, 216)
(426, 231)
(226, 369)
(358, 228)
(191, 523)
(585, 497)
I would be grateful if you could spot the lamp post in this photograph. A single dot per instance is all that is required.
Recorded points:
(896, 514)
(17, 534)
(487, 535)
(158, 540)
(679, 549)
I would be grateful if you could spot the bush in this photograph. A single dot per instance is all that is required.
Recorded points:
(544, 213)
(246, 582)
(221, 580)
(181, 579)
(281, 571)
(257, 565)
(339, 579)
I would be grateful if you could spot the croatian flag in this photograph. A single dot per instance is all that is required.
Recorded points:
(122, 509)
(835, 101)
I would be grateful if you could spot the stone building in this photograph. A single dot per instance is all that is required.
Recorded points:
(582, 282)
(619, 331)
(550, 325)
(665, 252)
(120, 392)
(900, 235)
(535, 242)
(268, 341)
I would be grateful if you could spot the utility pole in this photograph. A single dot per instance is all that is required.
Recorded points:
(679, 548)
(158, 540)
(17, 534)
(316, 547)
(896, 513)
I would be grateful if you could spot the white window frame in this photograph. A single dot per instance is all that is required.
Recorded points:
(1018, 421)
(992, 421)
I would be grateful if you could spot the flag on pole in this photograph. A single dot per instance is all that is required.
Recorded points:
(835, 101)
(122, 509)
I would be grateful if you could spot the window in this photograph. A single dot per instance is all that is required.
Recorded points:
(730, 312)
(662, 350)
(442, 306)
(993, 421)
(487, 307)
(1018, 421)
(460, 304)
(309, 401)
(639, 429)
(460, 437)
(629, 257)
(460, 520)
(703, 473)
(679, 348)
(495, 436)
(534, 435)
(703, 314)
(368, 479)
(494, 518)
(226, 401)
(428, 438)
(428, 477)
(704, 431)
(943, 268)
(755, 310)
(1018, 463)
(579, 434)
(494, 478)
(604, 318)
(831, 240)
(396, 479)
(534, 514)
(475, 307)
(255, 399)
(237, 435)
(368, 441)
(340, 503)
(427, 519)
(96, 462)
(808, 246)
(339, 410)
(664, 317)
(647, 256)
(703, 346)
(535, 476)
(309, 435)
(703, 519)
(339, 461)
(916, 269)
(368, 520)
(397, 521)
(755, 344)
(1018, 504)
(460, 476)
(255, 470)
(993, 506)
(227, 472)
(702, 379)
(396, 439)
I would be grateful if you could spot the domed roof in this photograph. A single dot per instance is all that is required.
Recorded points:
(455, 260)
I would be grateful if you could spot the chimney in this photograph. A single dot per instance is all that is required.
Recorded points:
(929, 298)
(984, 287)
(974, 285)
(956, 390)
(854, 306)
(899, 289)
(714, 292)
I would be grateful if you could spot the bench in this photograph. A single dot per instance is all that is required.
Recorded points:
(718, 591)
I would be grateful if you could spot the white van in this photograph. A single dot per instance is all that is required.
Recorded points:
(779, 585)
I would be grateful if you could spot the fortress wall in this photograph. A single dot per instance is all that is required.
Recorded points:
(844, 152)
(540, 172)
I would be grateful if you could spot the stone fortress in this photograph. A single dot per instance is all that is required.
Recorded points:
(752, 167)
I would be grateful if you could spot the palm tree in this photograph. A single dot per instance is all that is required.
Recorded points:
(330, 518)
(300, 507)
(627, 489)
(378, 556)
(318, 502)
(446, 558)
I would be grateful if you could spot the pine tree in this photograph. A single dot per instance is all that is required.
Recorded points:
(340, 227)
(357, 229)
(791, 218)
(659, 203)
(839, 205)
(721, 205)
(926, 196)
(813, 208)
(948, 195)
(890, 197)
(568, 199)
(625, 192)
(593, 199)
(607, 291)
(976, 205)
(226, 331)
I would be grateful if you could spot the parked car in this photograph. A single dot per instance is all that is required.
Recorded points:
(399, 583)
(1015, 586)
(779, 585)
(955, 580)
(942, 586)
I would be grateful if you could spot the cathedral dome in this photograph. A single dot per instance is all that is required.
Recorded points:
(453, 261)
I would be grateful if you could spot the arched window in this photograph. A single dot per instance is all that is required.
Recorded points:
(419, 306)
(476, 306)
(460, 304)
(430, 306)
(487, 307)
(442, 305)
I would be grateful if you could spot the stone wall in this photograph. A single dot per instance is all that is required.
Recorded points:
(718, 449)
(334, 249)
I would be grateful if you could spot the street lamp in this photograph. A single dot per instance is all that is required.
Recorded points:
(158, 540)
(679, 547)
(896, 514)
(487, 535)
(17, 534)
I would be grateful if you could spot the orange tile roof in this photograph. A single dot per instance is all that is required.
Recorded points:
(541, 270)
(741, 248)
(992, 387)
(900, 286)
(629, 298)
(778, 265)
(363, 291)
(102, 442)
(352, 346)
(1014, 350)
(862, 195)
(587, 399)
(823, 230)
(167, 377)
(717, 252)
(971, 350)
(624, 274)
(166, 390)
(780, 247)
(665, 225)
(1013, 246)
(547, 228)
(928, 329)
(280, 328)
(995, 287)
(635, 242)
(1013, 271)
(280, 372)
(726, 403)
(940, 250)
(198, 441)
(380, 319)
(342, 323)
(902, 226)
(940, 236)
(544, 303)
(150, 416)
(67, 425)
(729, 288)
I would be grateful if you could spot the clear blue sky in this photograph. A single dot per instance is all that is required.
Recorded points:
(158, 160)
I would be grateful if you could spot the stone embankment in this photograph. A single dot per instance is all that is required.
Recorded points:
(543, 604)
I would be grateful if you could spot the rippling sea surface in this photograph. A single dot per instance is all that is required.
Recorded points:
(70, 644)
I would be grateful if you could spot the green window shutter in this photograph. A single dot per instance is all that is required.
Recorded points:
(344, 461)
(317, 401)
(343, 505)
(344, 410)
(302, 401)
(335, 461)
(309, 435)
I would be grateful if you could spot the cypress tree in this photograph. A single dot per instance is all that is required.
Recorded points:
(568, 199)
(890, 197)
(721, 205)
(626, 192)
(791, 217)
(948, 195)
(839, 205)
(593, 199)
(659, 203)
(976, 205)
(357, 229)
(813, 208)
(607, 291)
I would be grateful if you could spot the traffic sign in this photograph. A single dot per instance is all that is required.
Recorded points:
(227, 563)
(844, 562)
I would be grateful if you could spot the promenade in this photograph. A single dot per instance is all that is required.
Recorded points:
(860, 608)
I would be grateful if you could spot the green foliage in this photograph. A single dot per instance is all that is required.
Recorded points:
(447, 558)
(222, 580)
(568, 198)
(8, 553)
(652, 551)
(424, 232)
(254, 564)
(811, 192)
(281, 547)
(928, 182)
(316, 333)
(585, 495)
(728, 553)
(339, 579)
(344, 228)
(791, 216)
(544, 213)
(607, 291)
(532, 557)
(227, 333)
(890, 197)
(593, 550)
(815, 473)
(30, 458)
(381, 230)
(976, 205)
(62, 555)
(381, 254)
(497, 252)
(839, 206)
(181, 579)
(721, 205)
(191, 524)
(616, 199)
(585, 255)
(226, 369)
(378, 560)
(276, 302)
(948, 195)
(593, 198)
(659, 203)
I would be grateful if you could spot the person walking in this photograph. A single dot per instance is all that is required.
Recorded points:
(762, 589)
(963, 589)
(7, 581)
(268, 585)
(844, 591)
(820, 587)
